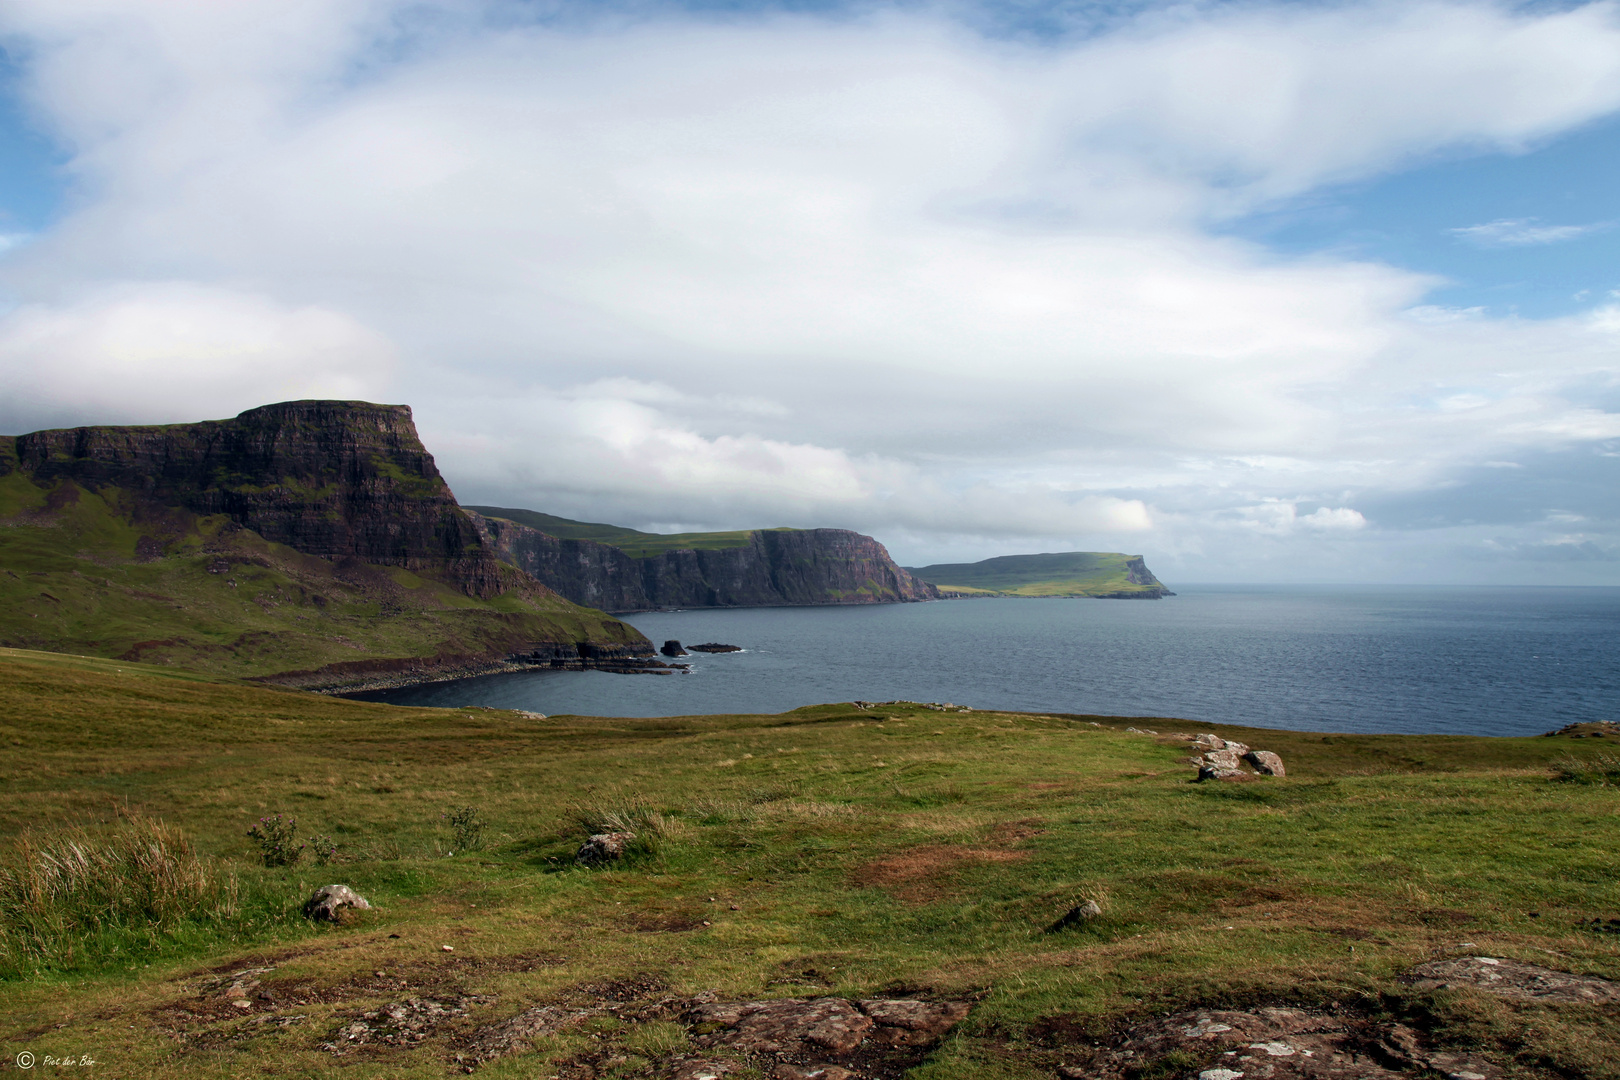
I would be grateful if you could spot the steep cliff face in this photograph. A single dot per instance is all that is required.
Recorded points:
(311, 542)
(330, 478)
(774, 568)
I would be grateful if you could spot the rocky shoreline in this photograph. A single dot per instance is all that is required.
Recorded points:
(397, 675)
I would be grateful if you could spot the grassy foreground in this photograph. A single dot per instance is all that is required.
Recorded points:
(821, 851)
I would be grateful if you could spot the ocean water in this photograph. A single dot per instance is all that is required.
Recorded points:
(1472, 661)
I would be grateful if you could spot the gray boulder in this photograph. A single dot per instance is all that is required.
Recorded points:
(603, 848)
(1081, 913)
(1264, 761)
(1222, 759)
(329, 902)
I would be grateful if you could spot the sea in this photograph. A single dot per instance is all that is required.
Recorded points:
(1397, 659)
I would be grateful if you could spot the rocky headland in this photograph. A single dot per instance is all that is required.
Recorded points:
(311, 543)
(764, 568)
(1100, 575)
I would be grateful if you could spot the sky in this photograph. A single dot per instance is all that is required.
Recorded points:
(1264, 291)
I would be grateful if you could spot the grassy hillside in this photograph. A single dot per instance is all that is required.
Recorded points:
(104, 574)
(1068, 573)
(826, 851)
(638, 545)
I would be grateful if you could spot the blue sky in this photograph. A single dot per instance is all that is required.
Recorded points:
(1557, 249)
(31, 185)
(1264, 291)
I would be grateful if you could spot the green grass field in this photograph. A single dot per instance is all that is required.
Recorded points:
(638, 545)
(1068, 573)
(821, 851)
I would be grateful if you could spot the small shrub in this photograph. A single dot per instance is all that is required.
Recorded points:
(1600, 769)
(275, 836)
(466, 828)
(323, 849)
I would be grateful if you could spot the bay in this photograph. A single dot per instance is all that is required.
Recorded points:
(1466, 661)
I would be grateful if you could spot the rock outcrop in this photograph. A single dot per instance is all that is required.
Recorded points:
(1273, 1043)
(330, 903)
(774, 568)
(604, 848)
(1222, 758)
(338, 479)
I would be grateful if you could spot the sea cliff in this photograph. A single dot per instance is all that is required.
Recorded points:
(308, 542)
(767, 568)
(337, 479)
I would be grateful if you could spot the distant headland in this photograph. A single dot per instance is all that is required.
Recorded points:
(1105, 575)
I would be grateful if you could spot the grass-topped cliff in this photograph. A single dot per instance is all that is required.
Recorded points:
(633, 542)
(828, 852)
(1107, 574)
(300, 538)
(620, 569)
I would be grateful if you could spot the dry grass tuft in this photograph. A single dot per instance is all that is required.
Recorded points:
(1600, 769)
(143, 876)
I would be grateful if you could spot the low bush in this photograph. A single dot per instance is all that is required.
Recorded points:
(323, 849)
(1600, 769)
(466, 829)
(276, 838)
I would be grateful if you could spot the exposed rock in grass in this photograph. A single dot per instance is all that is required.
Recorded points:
(705, 1070)
(603, 848)
(1264, 761)
(235, 985)
(818, 1072)
(1211, 741)
(1222, 759)
(399, 1023)
(1273, 1044)
(1512, 979)
(1077, 916)
(823, 1038)
(905, 1022)
(331, 903)
(1587, 729)
(518, 1033)
(784, 1025)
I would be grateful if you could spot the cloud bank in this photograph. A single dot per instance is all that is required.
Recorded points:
(872, 269)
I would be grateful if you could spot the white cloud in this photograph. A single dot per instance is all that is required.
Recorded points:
(873, 270)
(167, 352)
(1334, 518)
(1523, 232)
